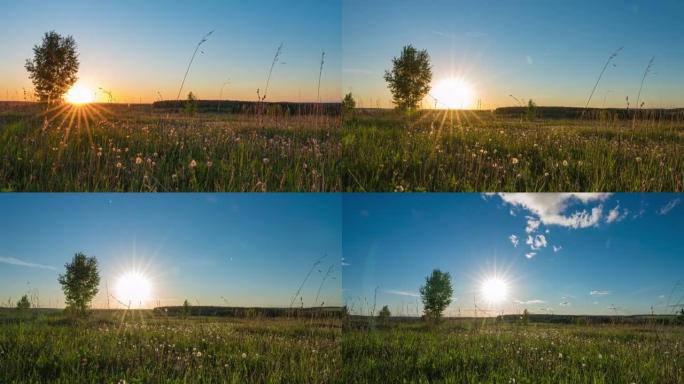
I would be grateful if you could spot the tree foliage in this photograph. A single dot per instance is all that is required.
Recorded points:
(191, 104)
(54, 66)
(80, 283)
(384, 313)
(436, 294)
(410, 77)
(186, 308)
(348, 103)
(23, 303)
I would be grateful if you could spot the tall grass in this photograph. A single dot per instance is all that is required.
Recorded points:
(452, 151)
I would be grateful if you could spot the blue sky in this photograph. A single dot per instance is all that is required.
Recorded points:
(137, 48)
(587, 253)
(550, 51)
(251, 249)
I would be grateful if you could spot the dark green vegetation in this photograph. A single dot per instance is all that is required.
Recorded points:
(473, 351)
(109, 147)
(485, 151)
(54, 66)
(143, 347)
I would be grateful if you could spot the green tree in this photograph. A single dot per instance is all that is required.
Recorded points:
(54, 66)
(436, 294)
(23, 303)
(191, 104)
(348, 103)
(410, 77)
(525, 318)
(80, 283)
(186, 308)
(531, 110)
(384, 313)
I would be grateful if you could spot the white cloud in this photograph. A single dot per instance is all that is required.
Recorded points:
(557, 249)
(537, 242)
(533, 301)
(614, 215)
(549, 208)
(400, 293)
(21, 263)
(530, 255)
(664, 210)
(599, 293)
(514, 240)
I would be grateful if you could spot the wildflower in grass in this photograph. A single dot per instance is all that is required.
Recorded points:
(193, 163)
(565, 163)
(514, 160)
(638, 159)
(399, 188)
(138, 160)
(244, 355)
(119, 165)
(209, 163)
(265, 160)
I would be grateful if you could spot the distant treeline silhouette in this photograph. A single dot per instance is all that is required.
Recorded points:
(250, 312)
(252, 107)
(594, 113)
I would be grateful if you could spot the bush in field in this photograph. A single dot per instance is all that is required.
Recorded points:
(80, 283)
(191, 104)
(23, 303)
(348, 103)
(410, 77)
(436, 294)
(54, 66)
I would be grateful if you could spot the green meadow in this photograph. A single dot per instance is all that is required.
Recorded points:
(483, 151)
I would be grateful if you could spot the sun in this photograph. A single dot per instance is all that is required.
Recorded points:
(453, 93)
(80, 94)
(494, 290)
(133, 289)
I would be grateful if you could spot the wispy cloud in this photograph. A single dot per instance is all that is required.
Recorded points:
(599, 293)
(557, 249)
(400, 293)
(533, 301)
(514, 240)
(537, 242)
(22, 263)
(665, 209)
(615, 215)
(530, 255)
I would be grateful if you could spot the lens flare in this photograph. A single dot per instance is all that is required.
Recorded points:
(453, 93)
(133, 289)
(80, 94)
(494, 290)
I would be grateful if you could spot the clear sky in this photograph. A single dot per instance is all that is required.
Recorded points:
(215, 249)
(585, 254)
(138, 48)
(550, 51)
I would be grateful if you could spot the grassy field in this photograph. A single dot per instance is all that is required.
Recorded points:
(118, 148)
(468, 352)
(480, 151)
(47, 348)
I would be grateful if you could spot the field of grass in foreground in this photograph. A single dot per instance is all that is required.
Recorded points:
(480, 151)
(463, 352)
(138, 149)
(48, 348)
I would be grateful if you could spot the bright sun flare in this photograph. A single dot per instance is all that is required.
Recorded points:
(134, 289)
(79, 94)
(453, 93)
(494, 290)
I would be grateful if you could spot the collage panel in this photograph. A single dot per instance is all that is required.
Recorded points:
(189, 96)
(182, 288)
(514, 96)
(513, 288)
